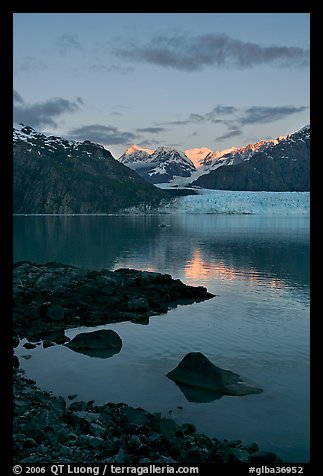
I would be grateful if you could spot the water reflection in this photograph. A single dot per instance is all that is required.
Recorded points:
(98, 353)
(197, 248)
(197, 394)
(199, 267)
(87, 241)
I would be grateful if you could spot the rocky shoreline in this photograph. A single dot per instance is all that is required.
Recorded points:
(49, 298)
(48, 430)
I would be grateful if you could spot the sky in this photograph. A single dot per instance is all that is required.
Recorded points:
(181, 80)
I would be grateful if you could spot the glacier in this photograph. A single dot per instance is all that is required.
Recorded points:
(240, 202)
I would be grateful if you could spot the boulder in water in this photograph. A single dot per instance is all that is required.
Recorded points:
(102, 343)
(196, 370)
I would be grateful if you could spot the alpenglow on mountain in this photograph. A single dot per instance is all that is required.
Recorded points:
(229, 169)
(54, 175)
(160, 166)
(278, 167)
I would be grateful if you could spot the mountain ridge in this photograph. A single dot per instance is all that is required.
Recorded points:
(162, 165)
(56, 175)
(158, 168)
(283, 165)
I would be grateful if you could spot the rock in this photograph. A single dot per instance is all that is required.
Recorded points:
(15, 342)
(140, 319)
(137, 416)
(252, 448)
(62, 339)
(230, 444)
(55, 312)
(91, 441)
(45, 418)
(89, 417)
(15, 361)
(52, 297)
(29, 345)
(71, 397)
(78, 406)
(103, 343)
(66, 451)
(97, 430)
(134, 442)
(33, 430)
(188, 428)
(263, 457)
(55, 337)
(144, 461)
(58, 403)
(167, 426)
(196, 370)
(165, 460)
(29, 443)
(138, 305)
(122, 457)
(195, 456)
(237, 455)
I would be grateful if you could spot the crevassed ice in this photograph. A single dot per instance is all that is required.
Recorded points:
(234, 202)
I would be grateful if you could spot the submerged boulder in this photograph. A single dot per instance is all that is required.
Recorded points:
(196, 372)
(102, 343)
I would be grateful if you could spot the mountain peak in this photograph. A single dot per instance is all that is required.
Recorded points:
(280, 164)
(197, 155)
(135, 148)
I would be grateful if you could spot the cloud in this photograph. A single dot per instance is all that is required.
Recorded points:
(69, 42)
(210, 116)
(193, 53)
(219, 109)
(174, 123)
(152, 130)
(105, 69)
(17, 99)
(44, 113)
(102, 134)
(227, 135)
(196, 117)
(263, 114)
(29, 63)
(234, 119)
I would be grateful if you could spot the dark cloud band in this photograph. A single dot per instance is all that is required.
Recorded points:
(195, 53)
(263, 114)
(42, 114)
(227, 135)
(234, 118)
(102, 134)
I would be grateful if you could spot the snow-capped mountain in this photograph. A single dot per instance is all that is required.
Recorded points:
(236, 155)
(55, 175)
(160, 166)
(197, 155)
(279, 165)
(217, 155)
(135, 154)
(170, 166)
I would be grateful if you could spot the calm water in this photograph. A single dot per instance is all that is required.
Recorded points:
(257, 325)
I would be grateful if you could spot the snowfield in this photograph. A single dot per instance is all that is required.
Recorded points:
(232, 202)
